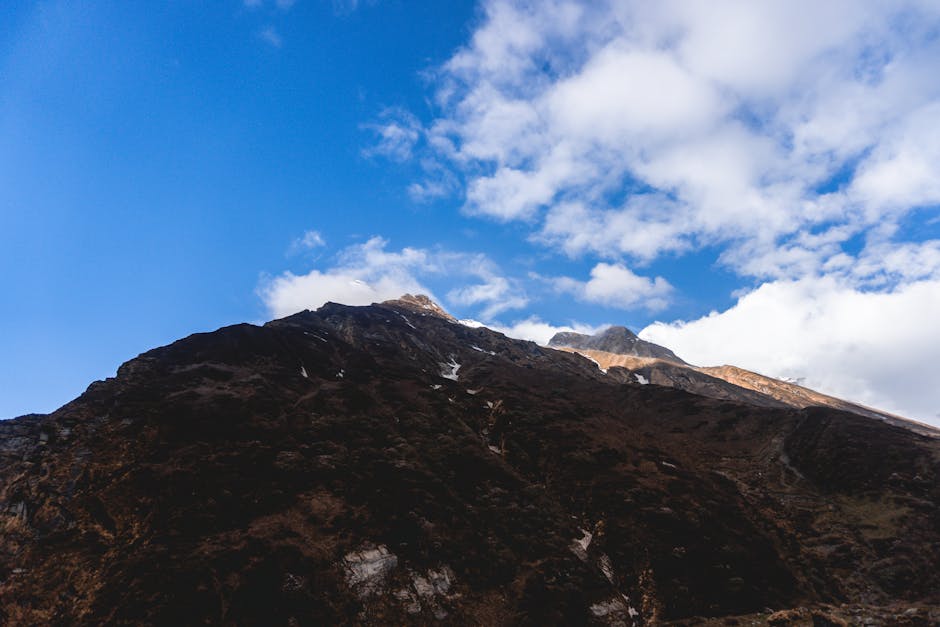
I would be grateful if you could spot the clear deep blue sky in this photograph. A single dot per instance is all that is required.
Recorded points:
(159, 163)
(155, 161)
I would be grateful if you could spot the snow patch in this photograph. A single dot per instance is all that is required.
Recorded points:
(785, 460)
(606, 567)
(641, 379)
(436, 386)
(449, 370)
(615, 610)
(407, 321)
(367, 569)
(473, 324)
(495, 449)
(410, 599)
(604, 370)
(340, 374)
(303, 372)
(427, 591)
(437, 583)
(477, 348)
(613, 607)
(579, 546)
(667, 464)
(473, 392)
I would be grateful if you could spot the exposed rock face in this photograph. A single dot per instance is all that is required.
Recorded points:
(617, 340)
(322, 470)
(420, 304)
(667, 373)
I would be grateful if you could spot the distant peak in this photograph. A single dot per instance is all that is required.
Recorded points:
(420, 303)
(617, 332)
(614, 336)
(616, 339)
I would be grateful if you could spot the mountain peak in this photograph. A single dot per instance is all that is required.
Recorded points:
(616, 339)
(617, 333)
(420, 303)
(359, 464)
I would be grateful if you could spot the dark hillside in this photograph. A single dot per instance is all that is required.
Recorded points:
(387, 465)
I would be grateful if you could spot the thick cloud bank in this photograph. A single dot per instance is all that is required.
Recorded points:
(876, 348)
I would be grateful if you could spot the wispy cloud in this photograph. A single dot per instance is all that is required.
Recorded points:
(310, 240)
(537, 330)
(345, 7)
(631, 130)
(270, 36)
(496, 293)
(283, 5)
(395, 135)
(365, 273)
(796, 141)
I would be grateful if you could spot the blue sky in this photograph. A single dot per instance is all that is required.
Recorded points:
(755, 185)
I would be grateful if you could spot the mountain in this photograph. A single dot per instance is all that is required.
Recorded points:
(616, 340)
(388, 465)
(645, 361)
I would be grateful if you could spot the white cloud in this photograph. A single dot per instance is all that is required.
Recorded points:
(797, 141)
(902, 171)
(368, 272)
(638, 228)
(498, 293)
(396, 135)
(365, 273)
(289, 293)
(270, 36)
(765, 46)
(308, 241)
(877, 348)
(598, 105)
(729, 118)
(614, 285)
(509, 193)
(882, 263)
(536, 330)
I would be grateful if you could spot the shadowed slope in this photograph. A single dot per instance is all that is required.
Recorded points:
(322, 469)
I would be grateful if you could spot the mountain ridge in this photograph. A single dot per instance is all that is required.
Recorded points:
(745, 386)
(371, 465)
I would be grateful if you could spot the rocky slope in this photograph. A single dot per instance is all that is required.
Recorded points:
(646, 363)
(384, 464)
